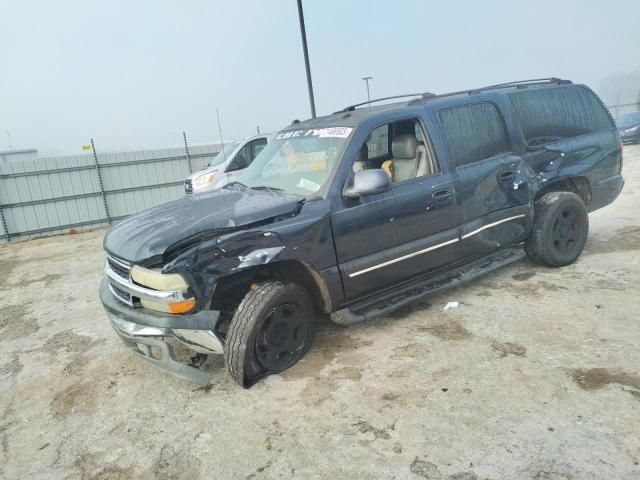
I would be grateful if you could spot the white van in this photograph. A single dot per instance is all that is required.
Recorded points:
(233, 158)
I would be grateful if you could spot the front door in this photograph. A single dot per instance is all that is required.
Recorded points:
(386, 238)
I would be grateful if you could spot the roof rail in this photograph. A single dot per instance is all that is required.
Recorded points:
(428, 95)
(522, 83)
(351, 108)
(517, 84)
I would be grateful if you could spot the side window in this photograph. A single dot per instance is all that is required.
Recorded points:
(242, 159)
(551, 114)
(258, 145)
(474, 132)
(411, 155)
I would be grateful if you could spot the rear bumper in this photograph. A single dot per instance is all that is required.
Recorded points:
(146, 334)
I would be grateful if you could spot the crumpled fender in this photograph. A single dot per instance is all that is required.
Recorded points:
(305, 238)
(204, 263)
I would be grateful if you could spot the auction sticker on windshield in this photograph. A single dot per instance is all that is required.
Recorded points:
(330, 132)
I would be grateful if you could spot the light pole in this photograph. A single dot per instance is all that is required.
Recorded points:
(303, 32)
(366, 79)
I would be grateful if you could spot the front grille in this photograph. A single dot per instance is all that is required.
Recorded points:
(118, 268)
(121, 294)
(188, 186)
(122, 269)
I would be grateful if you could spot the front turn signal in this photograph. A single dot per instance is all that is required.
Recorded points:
(173, 307)
(181, 307)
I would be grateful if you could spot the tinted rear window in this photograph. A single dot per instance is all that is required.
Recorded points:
(551, 114)
(474, 132)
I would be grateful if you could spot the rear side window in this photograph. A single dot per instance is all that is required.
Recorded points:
(474, 132)
(551, 114)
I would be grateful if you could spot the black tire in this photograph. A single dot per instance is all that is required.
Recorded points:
(270, 331)
(560, 229)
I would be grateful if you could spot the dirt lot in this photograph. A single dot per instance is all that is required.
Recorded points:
(535, 376)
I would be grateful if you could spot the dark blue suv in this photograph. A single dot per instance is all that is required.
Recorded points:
(357, 213)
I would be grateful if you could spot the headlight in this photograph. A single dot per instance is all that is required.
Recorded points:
(203, 179)
(157, 280)
(164, 282)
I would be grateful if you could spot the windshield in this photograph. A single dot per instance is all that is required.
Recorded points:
(628, 120)
(224, 154)
(298, 162)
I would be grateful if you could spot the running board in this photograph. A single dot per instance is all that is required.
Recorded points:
(418, 289)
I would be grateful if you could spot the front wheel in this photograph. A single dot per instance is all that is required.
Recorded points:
(270, 331)
(560, 229)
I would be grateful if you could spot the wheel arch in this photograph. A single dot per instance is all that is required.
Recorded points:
(294, 271)
(578, 185)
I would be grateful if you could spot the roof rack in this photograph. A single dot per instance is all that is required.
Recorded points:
(522, 83)
(516, 84)
(351, 108)
(428, 95)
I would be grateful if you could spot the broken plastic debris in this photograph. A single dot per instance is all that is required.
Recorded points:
(451, 305)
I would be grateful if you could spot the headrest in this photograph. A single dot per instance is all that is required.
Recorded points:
(404, 146)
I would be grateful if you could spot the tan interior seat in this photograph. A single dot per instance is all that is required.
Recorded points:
(409, 159)
(423, 168)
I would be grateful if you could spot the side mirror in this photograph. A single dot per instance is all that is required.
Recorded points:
(368, 182)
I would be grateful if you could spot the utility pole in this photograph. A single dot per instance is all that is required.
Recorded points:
(366, 79)
(303, 32)
(186, 151)
(100, 182)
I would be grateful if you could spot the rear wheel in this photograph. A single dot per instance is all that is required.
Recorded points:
(560, 229)
(270, 331)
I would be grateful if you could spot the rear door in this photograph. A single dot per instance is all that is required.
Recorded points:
(386, 238)
(492, 199)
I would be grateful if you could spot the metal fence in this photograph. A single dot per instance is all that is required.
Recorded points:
(47, 196)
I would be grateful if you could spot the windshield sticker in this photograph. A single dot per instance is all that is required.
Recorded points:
(308, 185)
(331, 132)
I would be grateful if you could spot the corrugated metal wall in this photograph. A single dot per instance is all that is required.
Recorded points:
(52, 195)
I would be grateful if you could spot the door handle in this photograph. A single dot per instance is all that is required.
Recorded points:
(506, 177)
(442, 195)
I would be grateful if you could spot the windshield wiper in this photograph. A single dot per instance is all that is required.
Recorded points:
(269, 189)
(236, 186)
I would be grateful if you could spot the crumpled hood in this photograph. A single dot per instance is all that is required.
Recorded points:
(144, 237)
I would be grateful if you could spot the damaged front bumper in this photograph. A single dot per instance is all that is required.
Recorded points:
(146, 333)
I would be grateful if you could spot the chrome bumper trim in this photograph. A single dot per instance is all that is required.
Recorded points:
(202, 341)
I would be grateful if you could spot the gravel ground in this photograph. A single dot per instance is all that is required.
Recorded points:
(536, 375)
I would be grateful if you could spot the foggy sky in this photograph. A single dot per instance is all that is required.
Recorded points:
(135, 74)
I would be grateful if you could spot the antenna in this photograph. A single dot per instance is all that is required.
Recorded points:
(224, 155)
